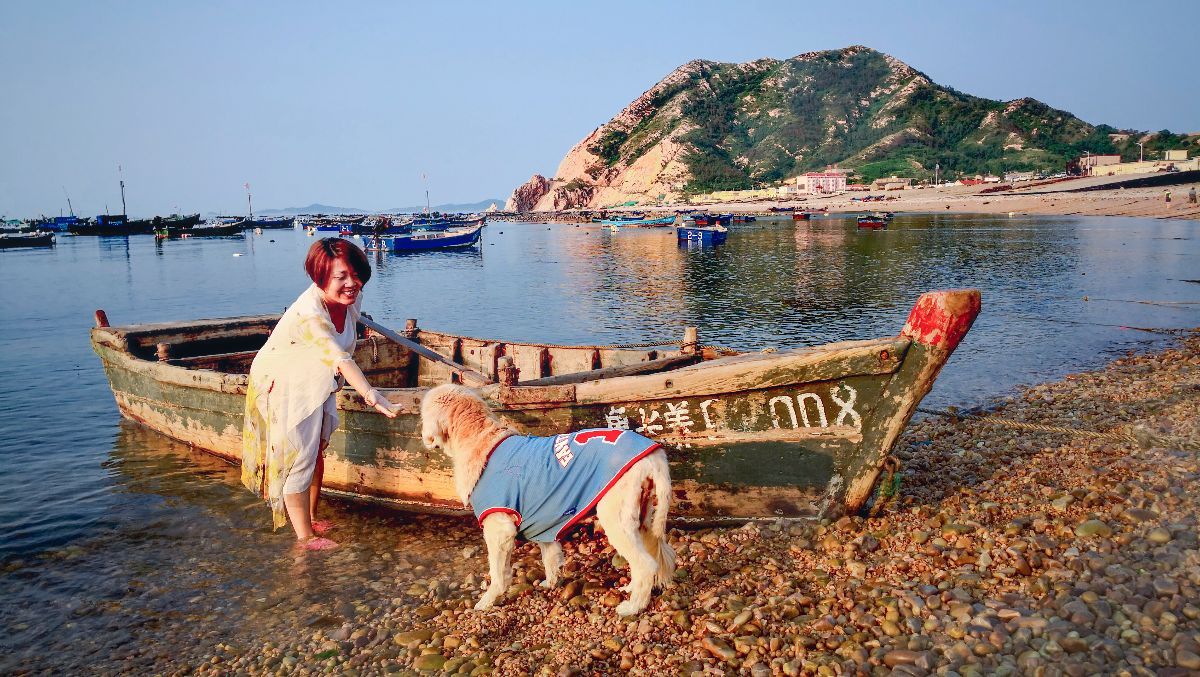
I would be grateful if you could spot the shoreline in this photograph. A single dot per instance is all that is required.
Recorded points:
(1058, 199)
(1006, 551)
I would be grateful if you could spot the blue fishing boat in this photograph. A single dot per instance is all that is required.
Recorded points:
(702, 234)
(424, 240)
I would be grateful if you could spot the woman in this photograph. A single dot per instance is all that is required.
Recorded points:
(291, 402)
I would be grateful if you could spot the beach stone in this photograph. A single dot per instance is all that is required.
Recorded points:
(1187, 659)
(1165, 587)
(718, 648)
(1093, 528)
(406, 638)
(429, 662)
(1062, 502)
(1159, 535)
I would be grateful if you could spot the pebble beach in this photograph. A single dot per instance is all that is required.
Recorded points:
(1006, 551)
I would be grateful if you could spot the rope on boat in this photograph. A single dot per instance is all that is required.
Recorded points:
(1139, 436)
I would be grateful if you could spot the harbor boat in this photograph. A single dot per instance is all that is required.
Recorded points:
(874, 221)
(702, 234)
(639, 223)
(37, 238)
(58, 224)
(744, 218)
(792, 433)
(110, 225)
(712, 219)
(269, 222)
(218, 227)
(418, 241)
(801, 216)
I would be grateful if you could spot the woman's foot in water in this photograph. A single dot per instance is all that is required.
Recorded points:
(321, 527)
(317, 543)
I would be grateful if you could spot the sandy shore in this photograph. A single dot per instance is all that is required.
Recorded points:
(1141, 202)
(1007, 552)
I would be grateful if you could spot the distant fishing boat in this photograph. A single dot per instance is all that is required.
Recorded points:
(801, 216)
(744, 218)
(702, 234)
(874, 221)
(712, 219)
(110, 225)
(423, 241)
(37, 238)
(269, 222)
(218, 227)
(639, 223)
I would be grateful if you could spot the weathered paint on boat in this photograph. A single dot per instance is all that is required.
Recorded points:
(792, 433)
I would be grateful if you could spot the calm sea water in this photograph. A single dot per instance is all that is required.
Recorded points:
(114, 538)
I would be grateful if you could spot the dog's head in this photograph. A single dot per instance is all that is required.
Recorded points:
(458, 422)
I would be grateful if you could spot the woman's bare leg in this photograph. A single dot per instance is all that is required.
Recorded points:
(314, 489)
(297, 506)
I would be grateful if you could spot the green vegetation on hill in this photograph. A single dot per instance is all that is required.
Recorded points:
(758, 123)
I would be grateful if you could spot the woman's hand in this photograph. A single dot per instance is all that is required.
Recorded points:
(381, 403)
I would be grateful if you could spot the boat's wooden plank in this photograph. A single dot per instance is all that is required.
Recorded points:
(571, 360)
(528, 360)
(649, 367)
(753, 372)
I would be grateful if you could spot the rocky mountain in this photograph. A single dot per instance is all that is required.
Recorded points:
(720, 126)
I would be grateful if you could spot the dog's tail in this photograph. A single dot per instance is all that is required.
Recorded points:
(663, 553)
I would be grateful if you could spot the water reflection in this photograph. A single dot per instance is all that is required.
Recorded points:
(183, 545)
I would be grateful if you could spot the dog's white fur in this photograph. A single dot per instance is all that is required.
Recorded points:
(455, 420)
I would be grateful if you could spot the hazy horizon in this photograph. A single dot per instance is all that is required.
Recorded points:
(312, 103)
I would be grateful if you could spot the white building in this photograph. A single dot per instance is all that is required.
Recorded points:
(821, 182)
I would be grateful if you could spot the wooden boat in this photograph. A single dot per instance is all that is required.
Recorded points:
(793, 433)
(37, 238)
(801, 216)
(423, 240)
(702, 234)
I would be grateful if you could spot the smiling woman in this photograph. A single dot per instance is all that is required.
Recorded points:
(291, 407)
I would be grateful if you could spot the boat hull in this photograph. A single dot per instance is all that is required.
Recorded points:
(424, 241)
(797, 433)
(703, 235)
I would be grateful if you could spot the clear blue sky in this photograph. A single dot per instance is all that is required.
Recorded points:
(349, 103)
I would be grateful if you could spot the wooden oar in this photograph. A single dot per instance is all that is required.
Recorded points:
(469, 376)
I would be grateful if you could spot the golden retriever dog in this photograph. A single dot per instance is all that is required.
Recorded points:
(515, 484)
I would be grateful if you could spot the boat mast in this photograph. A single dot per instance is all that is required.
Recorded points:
(426, 182)
(122, 179)
(69, 207)
(249, 202)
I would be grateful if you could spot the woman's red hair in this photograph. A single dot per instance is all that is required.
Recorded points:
(319, 262)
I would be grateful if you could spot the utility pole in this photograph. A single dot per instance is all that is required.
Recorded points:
(937, 170)
(1141, 151)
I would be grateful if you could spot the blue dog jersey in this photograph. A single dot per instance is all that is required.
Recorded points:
(550, 483)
